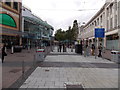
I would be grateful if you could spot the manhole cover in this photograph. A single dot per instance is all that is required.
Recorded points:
(15, 70)
(47, 70)
(74, 87)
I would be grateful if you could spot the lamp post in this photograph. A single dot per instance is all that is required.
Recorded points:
(119, 22)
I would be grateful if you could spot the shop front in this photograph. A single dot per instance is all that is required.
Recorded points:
(112, 42)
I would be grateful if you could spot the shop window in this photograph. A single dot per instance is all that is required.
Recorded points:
(8, 3)
(15, 5)
(112, 37)
(112, 42)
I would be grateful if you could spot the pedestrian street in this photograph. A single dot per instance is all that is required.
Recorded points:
(59, 70)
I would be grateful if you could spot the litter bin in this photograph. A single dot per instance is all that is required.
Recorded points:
(40, 55)
(78, 49)
(115, 56)
(17, 48)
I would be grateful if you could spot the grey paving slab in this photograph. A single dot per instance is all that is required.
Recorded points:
(57, 70)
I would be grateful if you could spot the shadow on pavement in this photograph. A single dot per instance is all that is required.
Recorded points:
(78, 64)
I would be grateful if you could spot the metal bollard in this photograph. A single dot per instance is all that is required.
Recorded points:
(23, 68)
(5, 49)
(12, 50)
(34, 61)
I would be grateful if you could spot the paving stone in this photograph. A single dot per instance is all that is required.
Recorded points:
(86, 72)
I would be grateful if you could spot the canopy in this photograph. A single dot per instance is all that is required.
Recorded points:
(38, 21)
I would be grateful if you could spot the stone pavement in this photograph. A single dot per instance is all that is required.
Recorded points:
(60, 69)
(12, 66)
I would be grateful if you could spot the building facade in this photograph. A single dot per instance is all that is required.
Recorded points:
(10, 17)
(107, 17)
(35, 31)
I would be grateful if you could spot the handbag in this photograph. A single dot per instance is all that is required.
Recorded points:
(5, 54)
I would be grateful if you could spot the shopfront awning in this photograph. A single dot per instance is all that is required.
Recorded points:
(7, 20)
(111, 32)
(38, 21)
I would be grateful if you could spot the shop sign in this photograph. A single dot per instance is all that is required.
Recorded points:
(99, 32)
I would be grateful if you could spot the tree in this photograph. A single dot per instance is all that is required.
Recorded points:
(60, 35)
(70, 34)
(75, 30)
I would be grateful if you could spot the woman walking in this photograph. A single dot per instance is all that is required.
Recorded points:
(3, 52)
(93, 49)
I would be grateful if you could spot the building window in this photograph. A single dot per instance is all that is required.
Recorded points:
(8, 3)
(15, 5)
(92, 23)
(111, 7)
(115, 21)
(107, 25)
(107, 11)
(101, 18)
(111, 23)
(115, 6)
(95, 23)
(98, 21)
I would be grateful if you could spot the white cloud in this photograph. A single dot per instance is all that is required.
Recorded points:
(62, 13)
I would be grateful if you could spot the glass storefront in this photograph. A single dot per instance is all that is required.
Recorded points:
(112, 42)
(10, 40)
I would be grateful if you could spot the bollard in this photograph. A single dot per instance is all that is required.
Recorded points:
(95, 48)
(28, 49)
(84, 52)
(71, 49)
(23, 68)
(12, 50)
(34, 61)
(95, 53)
(5, 49)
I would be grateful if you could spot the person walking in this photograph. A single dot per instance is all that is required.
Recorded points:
(93, 49)
(2, 46)
(81, 48)
(63, 47)
(60, 47)
(71, 48)
(87, 50)
(100, 50)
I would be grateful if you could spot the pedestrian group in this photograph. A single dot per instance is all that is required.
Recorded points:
(86, 49)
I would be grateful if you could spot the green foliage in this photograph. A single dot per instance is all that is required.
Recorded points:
(70, 34)
(60, 35)
(75, 30)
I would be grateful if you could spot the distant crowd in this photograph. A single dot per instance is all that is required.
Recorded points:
(87, 50)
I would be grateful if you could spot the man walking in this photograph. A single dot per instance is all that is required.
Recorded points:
(100, 50)
(60, 47)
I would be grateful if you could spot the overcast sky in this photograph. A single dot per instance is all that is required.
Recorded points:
(62, 13)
